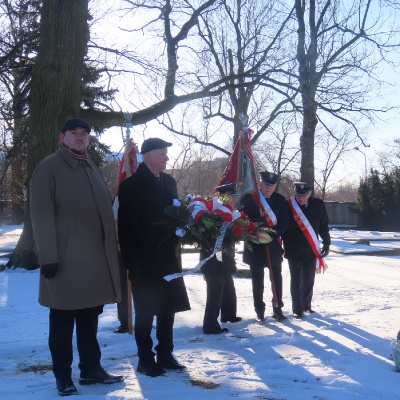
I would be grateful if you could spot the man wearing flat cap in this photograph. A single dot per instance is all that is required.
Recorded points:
(149, 255)
(273, 213)
(74, 230)
(308, 219)
(221, 293)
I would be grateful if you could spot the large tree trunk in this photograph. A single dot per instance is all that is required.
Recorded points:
(307, 55)
(307, 139)
(18, 164)
(55, 94)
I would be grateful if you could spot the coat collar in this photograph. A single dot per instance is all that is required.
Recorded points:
(71, 161)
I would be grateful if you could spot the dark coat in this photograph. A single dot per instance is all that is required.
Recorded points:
(258, 256)
(296, 245)
(74, 226)
(148, 252)
(213, 267)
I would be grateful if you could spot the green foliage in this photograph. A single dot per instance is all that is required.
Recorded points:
(378, 201)
(98, 151)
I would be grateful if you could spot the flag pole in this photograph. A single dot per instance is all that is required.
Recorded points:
(244, 120)
(128, 126)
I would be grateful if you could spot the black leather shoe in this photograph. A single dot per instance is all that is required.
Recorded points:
(150, 368)
(310, 310)
(99, 376)
(232, 320)
(122, 329)
(66, 387)
(298, 313)
(216, 331)
(260, 317)
(278, 315)
(169, 362)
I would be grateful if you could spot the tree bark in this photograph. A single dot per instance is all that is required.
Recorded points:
(55, 94)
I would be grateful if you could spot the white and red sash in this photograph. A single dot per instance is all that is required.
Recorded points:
(268, 214)
(309, 233)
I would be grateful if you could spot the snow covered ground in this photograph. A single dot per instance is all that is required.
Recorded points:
(340, 352)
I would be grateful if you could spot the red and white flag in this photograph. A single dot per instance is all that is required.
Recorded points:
(240, 167)
(126, 168)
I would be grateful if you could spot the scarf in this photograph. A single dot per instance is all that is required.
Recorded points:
(73, 153)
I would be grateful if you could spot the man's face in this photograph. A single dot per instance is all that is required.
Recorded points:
(267, 190)
(156, 160)
(76, 139)
(231, 199)
(302, 200)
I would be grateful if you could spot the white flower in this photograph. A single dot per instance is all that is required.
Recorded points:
(189, 198)
(176, 203)
(180, 232)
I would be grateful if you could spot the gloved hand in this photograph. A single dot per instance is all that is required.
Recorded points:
(273, 234)
(324, 251)
(49, 270)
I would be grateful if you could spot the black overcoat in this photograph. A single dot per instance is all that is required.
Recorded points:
(257, 256)
(148, 252)
(295, 243)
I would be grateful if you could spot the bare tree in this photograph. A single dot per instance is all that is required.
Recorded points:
(331, 153)
(339, 47)
(389, 159)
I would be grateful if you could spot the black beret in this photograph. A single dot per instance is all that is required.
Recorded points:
(302, 188)
(269, 178)
(154, 144)
(229, 188)
(75, 123)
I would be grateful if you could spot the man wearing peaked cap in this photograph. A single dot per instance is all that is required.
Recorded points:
(302, 188)
(269, 178)
(274, 215)
(149, 255)
(154, 144)
(301, 250)
(228, 188)
(221, 293)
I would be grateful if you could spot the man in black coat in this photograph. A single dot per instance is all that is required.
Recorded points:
(149, 255)
(274, 214)
(308, 219)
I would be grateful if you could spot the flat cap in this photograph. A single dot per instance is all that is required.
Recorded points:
(228, 188)
(75, 123)
(302, 188)
(154, 144)
(269, 178)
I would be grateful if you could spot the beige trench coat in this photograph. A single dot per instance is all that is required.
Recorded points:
(73, 226)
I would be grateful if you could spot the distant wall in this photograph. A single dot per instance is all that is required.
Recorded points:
(342, 214)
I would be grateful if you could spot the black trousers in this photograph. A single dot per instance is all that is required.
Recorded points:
(302, 277)
(60, 340)
(257, 279)
(144, 316)
(221, 297)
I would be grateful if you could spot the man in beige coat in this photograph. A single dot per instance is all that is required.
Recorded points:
(74, 231)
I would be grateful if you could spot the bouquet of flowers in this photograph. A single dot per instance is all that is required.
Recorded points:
(213, 224)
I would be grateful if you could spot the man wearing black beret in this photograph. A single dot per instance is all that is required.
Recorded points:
(149, 255)
(221, 293)
(308, 220)
(273, 213)
(74, 230)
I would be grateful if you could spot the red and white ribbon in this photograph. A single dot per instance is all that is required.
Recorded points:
(199, 207)
(308, 232)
